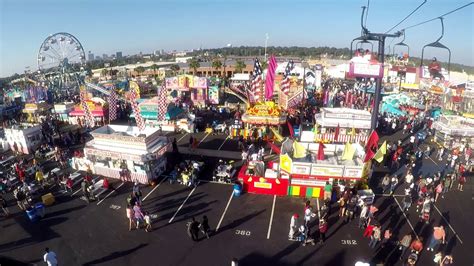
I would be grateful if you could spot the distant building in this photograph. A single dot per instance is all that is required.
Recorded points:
(105, 56)
(183, 59)
(118, 55)
(90, 56)
(97, 57)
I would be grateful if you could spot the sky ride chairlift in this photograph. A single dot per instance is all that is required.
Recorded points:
(435, 68)
(404, 57)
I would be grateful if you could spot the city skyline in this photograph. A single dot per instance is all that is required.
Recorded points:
(102, 27)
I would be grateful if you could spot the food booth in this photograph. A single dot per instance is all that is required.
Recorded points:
(36, 111)
(259, 179)
(116, 148)
(354, 125)
(261, 115)
(453, 130)
(98, 108)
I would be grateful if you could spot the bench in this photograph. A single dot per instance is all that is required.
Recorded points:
(98, 189)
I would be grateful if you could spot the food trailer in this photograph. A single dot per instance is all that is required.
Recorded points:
(453, 130)
(62, 110)
(24, 138)
(36, 111)
(261, 115)
(98, 108)
(354, 126)
(116, 148)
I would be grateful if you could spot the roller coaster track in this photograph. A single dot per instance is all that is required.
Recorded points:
(238, 95)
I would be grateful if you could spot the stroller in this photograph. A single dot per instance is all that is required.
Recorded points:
(412, 259)
(224, 172)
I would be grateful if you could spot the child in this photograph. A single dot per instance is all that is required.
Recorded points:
(147, 219)
(130, 216)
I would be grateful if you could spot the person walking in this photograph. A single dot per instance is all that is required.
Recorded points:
(417, 245)
(407, 201)
(323, 228)
(393, 184)
(147, 219)
(327, 190)
(293, 226)
(130, 215)
(137, 191)
(404, 245)
(438, 237)
(438, 191)
(205, 228)
(387, 236)
(375, 237)
(461, 182)
(363, 215)
(308, 213)
(193, 229)
(138, 213)
(191, 141)
(385, 183)
(50, 257)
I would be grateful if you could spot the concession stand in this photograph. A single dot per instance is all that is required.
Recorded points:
(62, 110)
(36, 111)
(116, 149)
(24, 138)
(453, 130)
(262, 115)
(189, 86)
(354, 125)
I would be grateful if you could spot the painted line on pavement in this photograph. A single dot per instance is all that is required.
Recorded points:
(215, 182)
(223, 143)
(389, 195)
(149, 193)
(319, 210)
(409, 223)
(446, 221)
(271, 218)
(428, 157)
(182, 204)
(182, 137)
(110, 193)
(76, 192)
(225, 210)
(203, 139)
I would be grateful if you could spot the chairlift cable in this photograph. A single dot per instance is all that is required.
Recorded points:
(440, 16)
(409, 15)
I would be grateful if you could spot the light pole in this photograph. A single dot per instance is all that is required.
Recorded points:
(304, 65)
(266, 42)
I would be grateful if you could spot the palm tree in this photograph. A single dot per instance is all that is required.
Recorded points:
(239, 66)
(155, 67)
(194, 64)
(104, 72)
(174, 68)
(216, 64)
(139, 70)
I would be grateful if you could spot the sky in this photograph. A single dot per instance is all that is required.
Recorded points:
(131, 26)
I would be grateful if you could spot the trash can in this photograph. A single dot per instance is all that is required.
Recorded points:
(237, 190)
(40, 210)
(31, 212)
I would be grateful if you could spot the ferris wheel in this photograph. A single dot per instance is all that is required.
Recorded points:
(61, 52)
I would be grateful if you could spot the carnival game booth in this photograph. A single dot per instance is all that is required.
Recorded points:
(453, 130)
(117, 149)
(354, 126)
(308, 175)
(258, 178)
(175, 117)
(62, 110)
(24, 138)
(98, 108)
(260, 116)
(36, 111)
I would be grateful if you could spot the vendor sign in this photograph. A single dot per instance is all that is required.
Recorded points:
(301, 168)
(213, 94)
(355, 172)
(319, 170)
(366, 70)
(264, 109)
(285, 163)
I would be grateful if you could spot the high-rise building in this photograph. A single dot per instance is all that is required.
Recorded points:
(97, 57)
(90, 56)
(105, 56)
(118, 55)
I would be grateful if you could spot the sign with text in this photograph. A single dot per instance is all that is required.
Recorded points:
(365, 70)
(319, 170)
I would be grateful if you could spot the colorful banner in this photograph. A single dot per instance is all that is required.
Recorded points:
(112, 105)
(270, 78)
(136, 111)
(162, 103)
(85, 106)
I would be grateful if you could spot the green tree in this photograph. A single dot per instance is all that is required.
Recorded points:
(174, 69)
(139, 70)
(240, 66)
(264, 64)
(155, 67)
(194, 64)
(104, 72)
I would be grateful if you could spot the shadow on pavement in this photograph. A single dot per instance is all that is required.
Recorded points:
(115, 255)
(255, 258)
(240, 221)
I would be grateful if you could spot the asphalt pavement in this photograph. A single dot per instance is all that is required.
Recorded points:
(252, 228)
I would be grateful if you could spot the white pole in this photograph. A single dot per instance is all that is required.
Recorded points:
(266, 42)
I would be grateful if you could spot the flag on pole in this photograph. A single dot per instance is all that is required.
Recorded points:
(112, 105)
(349, 152)
(336, 134)
(274, 147)
(87, 112)
(371, 146)
(257, 80)
(286, 82)
(299, 151)
(321, 151)
(379, 155)
(290, 128)
(270, 78)
(162, 103)
(136, 110)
